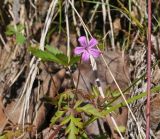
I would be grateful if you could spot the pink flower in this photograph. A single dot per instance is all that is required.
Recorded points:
(87, 48)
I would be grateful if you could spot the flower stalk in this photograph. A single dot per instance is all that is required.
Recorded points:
(148, 72)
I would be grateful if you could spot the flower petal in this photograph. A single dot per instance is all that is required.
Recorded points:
(94, 52)
(83, 41)
(93, 42)
(79, 50)
(85, 56)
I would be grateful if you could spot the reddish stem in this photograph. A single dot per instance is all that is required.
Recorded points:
(52, 136)
(148, 72)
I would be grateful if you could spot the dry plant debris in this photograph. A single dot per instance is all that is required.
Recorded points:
(47, 92)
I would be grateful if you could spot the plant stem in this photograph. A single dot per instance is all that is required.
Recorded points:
(148, 72)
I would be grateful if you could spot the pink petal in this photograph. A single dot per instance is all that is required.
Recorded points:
(94, 52)
(93, 42)
(83, 41)
(79, 50)
(85, 56)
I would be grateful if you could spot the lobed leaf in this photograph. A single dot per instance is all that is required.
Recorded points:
(56, 117)
(90, 109)
(73, 128)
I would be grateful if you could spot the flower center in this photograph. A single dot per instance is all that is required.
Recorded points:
(86, 48)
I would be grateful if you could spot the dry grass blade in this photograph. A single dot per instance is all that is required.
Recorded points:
(67, 28)
(26, 93)
(56, 82)
(140, 130)
(111, 25)
(94, 67)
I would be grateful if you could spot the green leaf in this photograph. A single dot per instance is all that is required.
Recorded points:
(115, 93)
(90, 120)
(47, 56)
(57, 115)
(74, 60)
(122, 129)
(90, 109)
(129, 101)
(20, 38)
(77, 103)
(77, 122)
(63, 96)
(53, 54)
(53, 50)
(20, 27)
(10, 30)
(84, 136)
(95, 91)
(63, 59)
(65, 120)
(73, 127)
(3, 137)
(72, 130)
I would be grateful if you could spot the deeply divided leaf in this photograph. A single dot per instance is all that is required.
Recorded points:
(90, 109)
(56, 117)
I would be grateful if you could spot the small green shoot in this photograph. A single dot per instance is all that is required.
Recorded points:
(17, 31)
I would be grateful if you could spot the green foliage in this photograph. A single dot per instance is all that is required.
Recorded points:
(16, 30)
(109, 109)
(70, 109)
(3, 137)
(64, 98)
(11, 134)
(128, 13)
(56, 117)
(53, 50)
(90, 110)
(74, 126)
(54, 55)
(12, 30)
(20, 39)
(69, 114)
(122, 129)
(16, 131)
